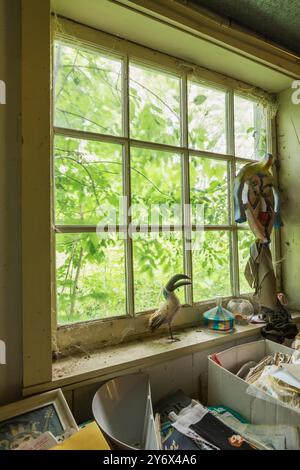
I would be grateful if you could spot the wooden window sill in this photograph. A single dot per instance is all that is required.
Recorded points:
(108, 362)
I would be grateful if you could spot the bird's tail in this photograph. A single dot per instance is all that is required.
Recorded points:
(156, 321)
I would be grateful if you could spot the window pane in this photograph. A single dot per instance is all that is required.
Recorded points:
(207, 118)
(89, 277)
(157, 257)
(87, 87)
(211, 266)
(154, 105)
(246, 238)
(208, 180)
(88, 180)
(155, 187)
(250, 129)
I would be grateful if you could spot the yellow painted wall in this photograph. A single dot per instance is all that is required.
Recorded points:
(288, 124)
(10, 163)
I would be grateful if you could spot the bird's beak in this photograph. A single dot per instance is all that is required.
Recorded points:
(178, 280)
(269, 158)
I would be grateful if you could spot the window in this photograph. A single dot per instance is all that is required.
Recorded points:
(250, 129)
(140, 152)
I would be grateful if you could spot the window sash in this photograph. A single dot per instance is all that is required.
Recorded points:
(127, 143)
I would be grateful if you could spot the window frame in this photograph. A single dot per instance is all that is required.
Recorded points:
(140, 55)
(109, 330)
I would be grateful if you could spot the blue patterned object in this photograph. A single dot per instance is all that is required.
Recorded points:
(219, 319)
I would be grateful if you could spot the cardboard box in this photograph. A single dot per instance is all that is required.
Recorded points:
(225, 388)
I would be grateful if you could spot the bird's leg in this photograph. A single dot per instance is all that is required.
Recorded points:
(171, 334)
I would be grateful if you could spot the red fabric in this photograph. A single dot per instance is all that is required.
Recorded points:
(264, 217)
(216, 359)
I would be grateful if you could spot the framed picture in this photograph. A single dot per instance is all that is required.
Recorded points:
(29, 418)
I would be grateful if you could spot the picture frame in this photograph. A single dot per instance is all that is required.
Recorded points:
(29, 418)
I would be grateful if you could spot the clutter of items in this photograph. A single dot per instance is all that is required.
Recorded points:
(188, 425)
(253, 399)
(253, 403)
(261, 382)
(230, 420)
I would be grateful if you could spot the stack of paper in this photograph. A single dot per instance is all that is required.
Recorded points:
(88, 438)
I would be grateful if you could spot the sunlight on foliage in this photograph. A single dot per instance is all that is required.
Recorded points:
(206, 118)
(154, 106)
(87, 90)
(89, 176)
(250, 129)
(211, 267)
(156, 257)
(88, 180)
(155, 180)
(90, 277)
(208, 181)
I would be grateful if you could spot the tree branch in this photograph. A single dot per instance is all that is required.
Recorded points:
(88, 173)
(83, 117)
(134, 81)
(111, 162)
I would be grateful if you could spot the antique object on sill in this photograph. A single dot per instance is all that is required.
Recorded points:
(219, 319)
(257, 201)
(242, 309)
(167, 312)
(279, 325)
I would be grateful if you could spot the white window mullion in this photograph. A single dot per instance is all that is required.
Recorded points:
(234, 252)
(86, 135)
(186, 214)
(270, 131)
(127, 191)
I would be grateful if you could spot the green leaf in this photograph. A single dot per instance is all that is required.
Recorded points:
(199, 99)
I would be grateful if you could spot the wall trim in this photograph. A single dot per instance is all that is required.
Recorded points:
(202, 23)
(36, 181)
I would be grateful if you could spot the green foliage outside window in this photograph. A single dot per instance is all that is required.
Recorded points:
(88, 96)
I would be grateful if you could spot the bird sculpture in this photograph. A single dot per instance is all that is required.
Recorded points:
(167, 312)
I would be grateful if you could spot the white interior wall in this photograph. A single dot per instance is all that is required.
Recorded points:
(288, 138)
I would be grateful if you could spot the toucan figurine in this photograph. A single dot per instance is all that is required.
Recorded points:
(167, 312)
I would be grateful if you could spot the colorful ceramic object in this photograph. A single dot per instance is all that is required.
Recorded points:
(219, 319)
